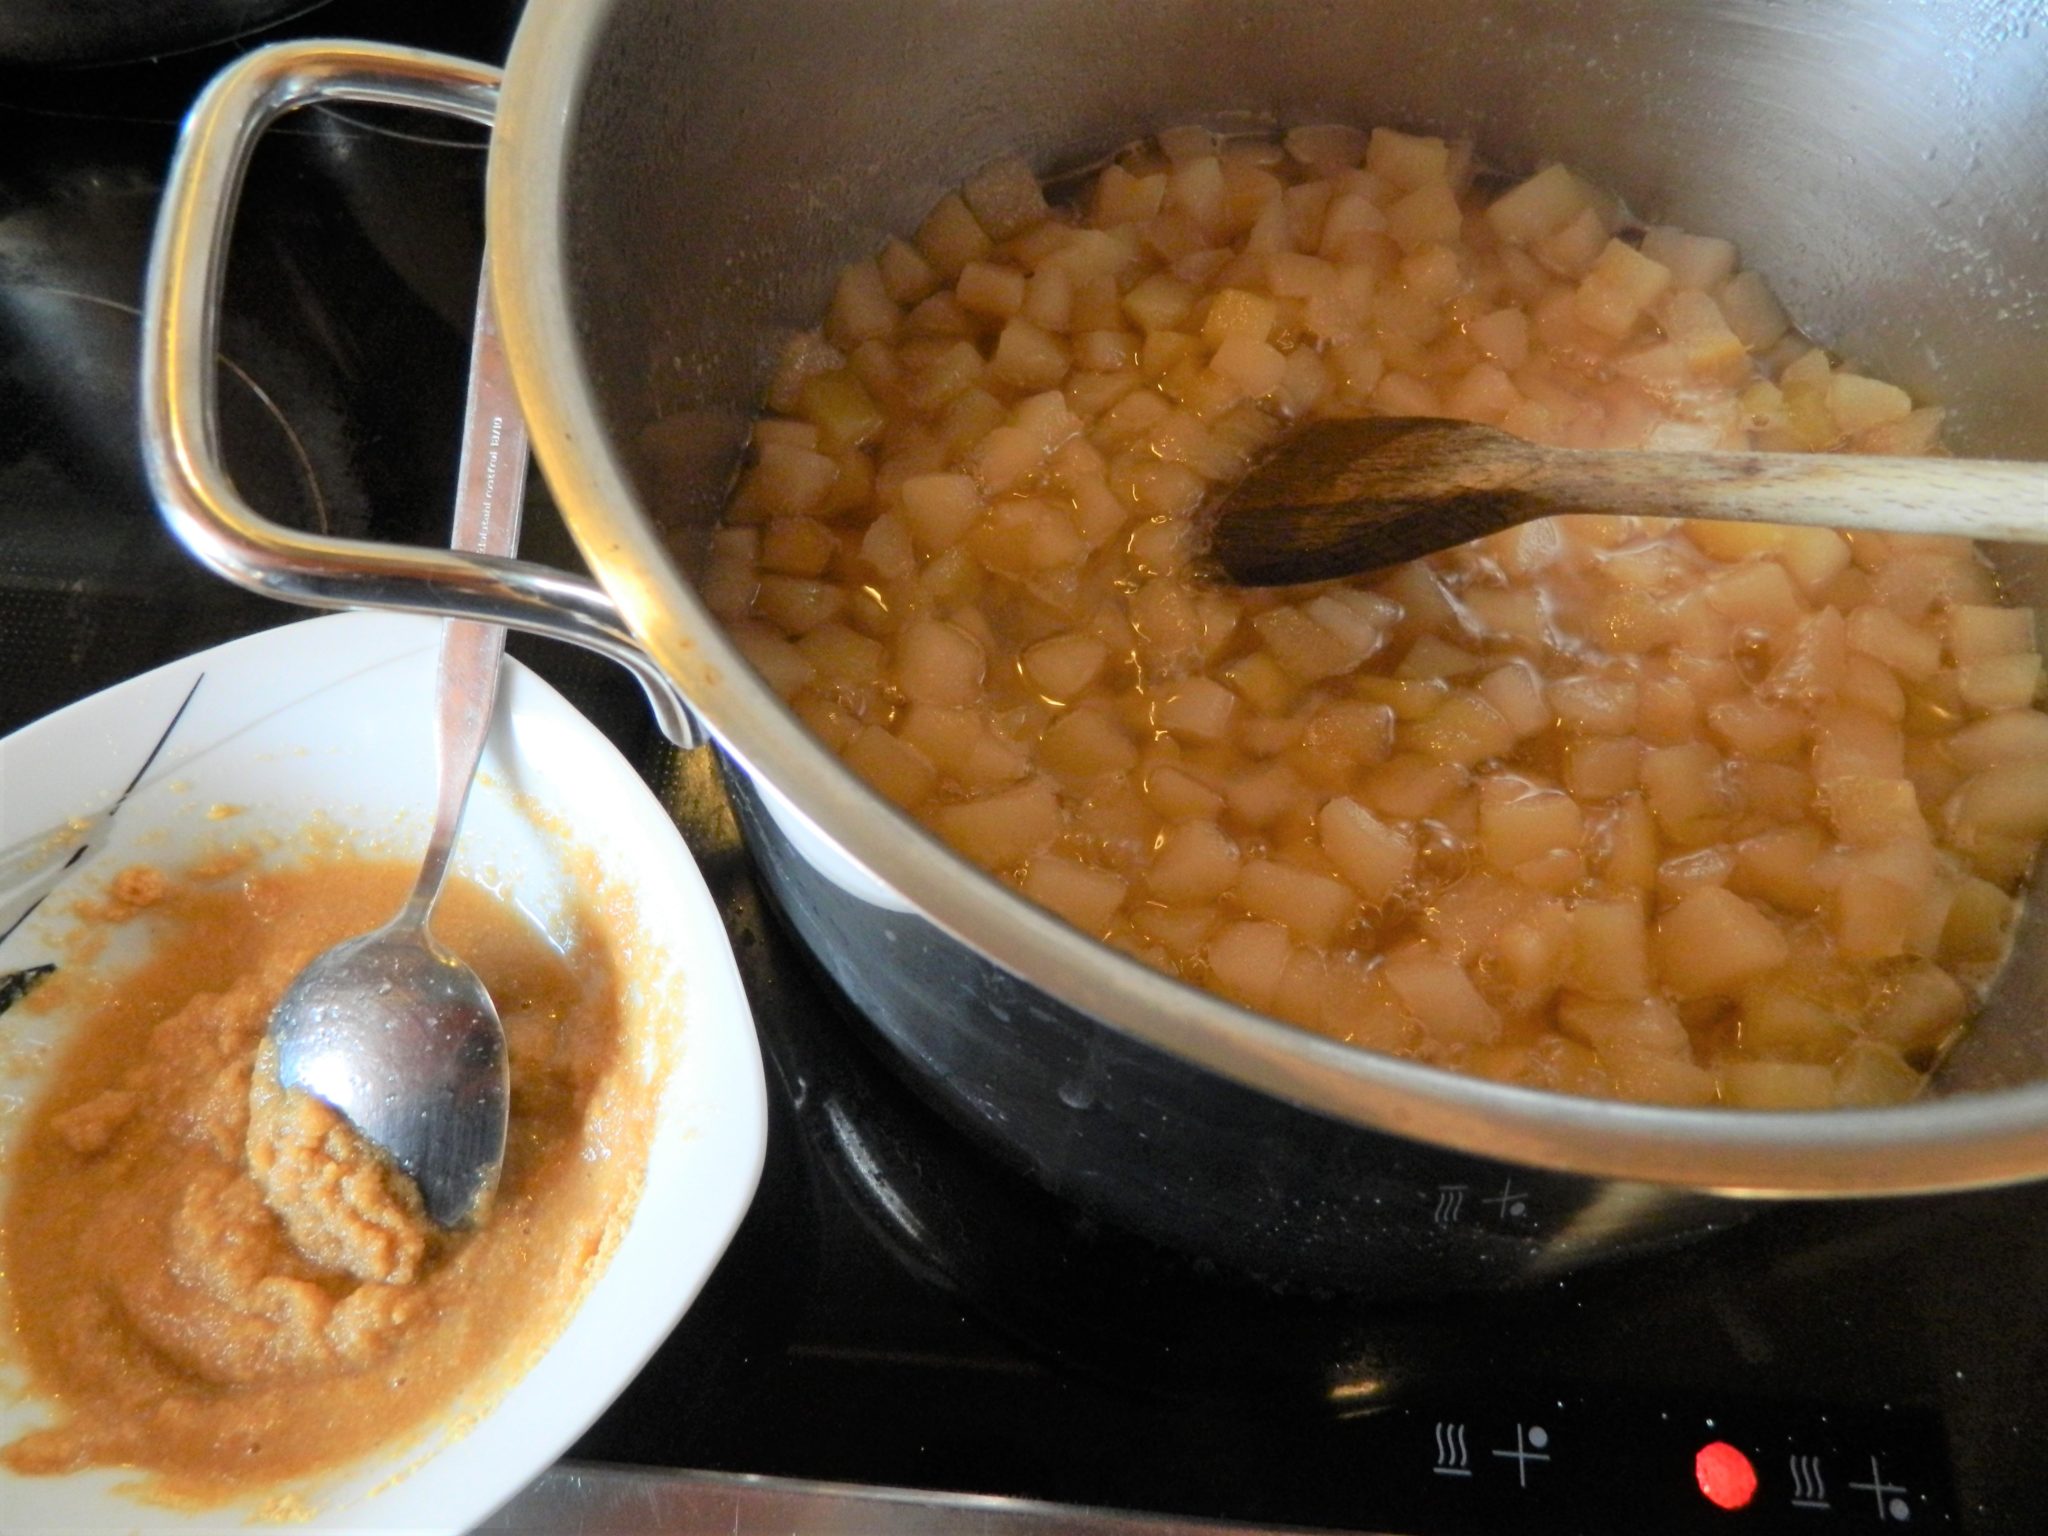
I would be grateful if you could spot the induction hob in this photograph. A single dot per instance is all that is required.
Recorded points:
(898, 1312)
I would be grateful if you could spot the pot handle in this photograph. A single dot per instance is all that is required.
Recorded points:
(180, 409)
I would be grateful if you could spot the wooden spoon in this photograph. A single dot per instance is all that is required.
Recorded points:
(1343, 496)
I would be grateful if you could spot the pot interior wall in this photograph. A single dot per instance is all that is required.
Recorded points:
(1880, 163)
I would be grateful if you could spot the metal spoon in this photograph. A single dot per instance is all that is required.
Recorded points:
(391, 1029)
(1358, 494)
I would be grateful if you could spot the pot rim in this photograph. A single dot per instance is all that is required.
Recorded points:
(1967, 1141)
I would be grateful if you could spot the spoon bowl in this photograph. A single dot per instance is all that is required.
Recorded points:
(402, 1038)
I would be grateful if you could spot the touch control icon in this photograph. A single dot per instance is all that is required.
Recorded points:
(1889, 1497)
(1452, 1459)
(1509, 1206)
(1510, 1202)
(1809, 1487)
(1530, 1446)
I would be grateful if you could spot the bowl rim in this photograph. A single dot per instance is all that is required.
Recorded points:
(1962, 1142)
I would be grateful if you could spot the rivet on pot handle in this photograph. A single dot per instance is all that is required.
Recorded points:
(180, 409)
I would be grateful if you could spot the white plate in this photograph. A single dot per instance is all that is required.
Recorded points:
(331, 718)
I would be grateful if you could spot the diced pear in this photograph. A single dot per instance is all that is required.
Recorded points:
(862, 308)
(1005, 198)
(1544, 203)
(1874, 812)
(1247, 960)
(1908, 649)
(939, 663)
(1464, 730)
(2000, 683)
(1085, 896)
(1811, 668)
(1427, 216)
(1594, 706)
(785, 480)
(1920, 1007)
(1778, 1019)
(1195, 862)
(1977, 632)
(1780, 1085)
(2007, 801)
(1407, 160)
(1685, 789)
(1623, 283)
(1872, 915)
(1750, 728)
(1713, 941)
(2014, 737)
(1752, 310)
(1268, 795)
(1352, 730)
(1515, 691)
(1979, 924)
(1199, 709)
(1870, 1075)
(1408, 786)
(951, 237)
(894, 768)
(840, 407)
(1610, 953)
(1696, 261)
(1518, 822)
(1308, 650)
(1374, 857)
(1779, 866)
(1313, 907)
(1303, 990)
(1647, 1024)
(797, 606)
(1757, 595)
(1027, 357)
(1085, 745)
(1851, 742)
(1858, 403)
(1064, 666)
(1601, 767)
(1003, 829)
(1531, 951)
(1238, 312)
(1629, 859)
(1650, 1077)
(1438, 992)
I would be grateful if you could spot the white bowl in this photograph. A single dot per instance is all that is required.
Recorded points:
(330, 718)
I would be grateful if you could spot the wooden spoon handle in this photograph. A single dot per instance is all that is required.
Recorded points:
(1976, 498)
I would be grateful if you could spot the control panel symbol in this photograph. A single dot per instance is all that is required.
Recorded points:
(1530, 1445)
(1452, 1459)
(1889, 1497)
(1510, 1201)
(1450, 1201)
(1809, 1488)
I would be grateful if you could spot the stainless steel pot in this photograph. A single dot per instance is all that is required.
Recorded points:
(674, 184)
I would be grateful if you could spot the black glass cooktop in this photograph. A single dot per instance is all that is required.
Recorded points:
(897, 1310)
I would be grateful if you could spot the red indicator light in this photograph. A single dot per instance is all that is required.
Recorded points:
(1725, 1475)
